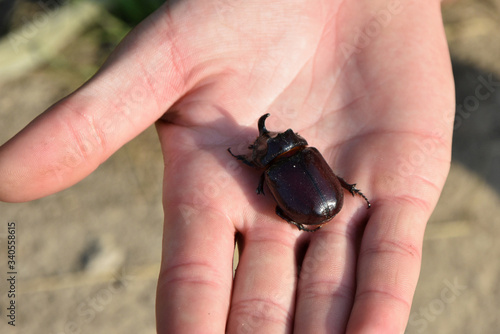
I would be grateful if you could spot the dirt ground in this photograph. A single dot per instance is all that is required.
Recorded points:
(88, 257)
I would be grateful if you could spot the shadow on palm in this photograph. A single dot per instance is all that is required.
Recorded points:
(198, 162)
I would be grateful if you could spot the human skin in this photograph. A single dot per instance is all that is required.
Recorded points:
(380, 109)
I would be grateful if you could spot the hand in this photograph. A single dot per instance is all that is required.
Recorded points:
(366, 82)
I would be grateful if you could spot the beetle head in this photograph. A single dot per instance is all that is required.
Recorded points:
(270, 145)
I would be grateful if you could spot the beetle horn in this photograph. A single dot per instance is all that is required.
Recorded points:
(262, 125)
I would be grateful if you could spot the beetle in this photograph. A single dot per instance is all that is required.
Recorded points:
(306, 190)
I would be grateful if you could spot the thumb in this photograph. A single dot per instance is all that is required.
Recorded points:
(138, 83)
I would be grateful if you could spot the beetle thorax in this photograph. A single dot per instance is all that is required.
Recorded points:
(270, 145)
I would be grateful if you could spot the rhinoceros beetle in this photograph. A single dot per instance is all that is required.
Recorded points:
(306, 190)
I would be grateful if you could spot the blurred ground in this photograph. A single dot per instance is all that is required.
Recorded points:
(88, 257)
(458, 287)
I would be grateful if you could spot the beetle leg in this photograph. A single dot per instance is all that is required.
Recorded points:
(301, 227)
(352, 189)
(260, 187)
(242, 158)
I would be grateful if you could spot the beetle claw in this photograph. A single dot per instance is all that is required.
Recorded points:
(260, 187)
(301, 227)
(260, 190)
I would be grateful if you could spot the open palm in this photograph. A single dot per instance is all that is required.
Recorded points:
(366, 82)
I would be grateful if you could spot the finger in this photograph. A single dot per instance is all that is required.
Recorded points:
(194, 287)
(388, 268)
(71, 139)
(327, 280)
(263, 294)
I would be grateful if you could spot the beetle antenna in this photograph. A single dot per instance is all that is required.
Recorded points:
(262, 124)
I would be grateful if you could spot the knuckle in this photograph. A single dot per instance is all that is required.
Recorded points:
(257, 312)
(328, 289)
